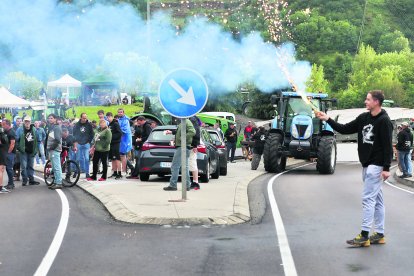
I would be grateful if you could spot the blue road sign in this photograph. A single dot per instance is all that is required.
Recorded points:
(183, 93)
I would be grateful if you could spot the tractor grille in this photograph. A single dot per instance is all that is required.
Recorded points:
(301, 129)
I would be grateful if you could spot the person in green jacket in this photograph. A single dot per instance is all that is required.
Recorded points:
(176, 162)
(100, 150)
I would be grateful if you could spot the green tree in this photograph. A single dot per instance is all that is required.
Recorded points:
(393, 42)
(317, 81)
(22, 85)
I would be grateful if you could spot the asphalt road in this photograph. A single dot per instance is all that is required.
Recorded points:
(319, 214)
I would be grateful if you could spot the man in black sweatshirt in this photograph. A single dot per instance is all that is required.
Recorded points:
(114, 154)
(83, 133)
(374, 130)
(404, 144)
(231, 138)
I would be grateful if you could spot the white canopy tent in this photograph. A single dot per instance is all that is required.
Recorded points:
(67, 82)
(11, 101)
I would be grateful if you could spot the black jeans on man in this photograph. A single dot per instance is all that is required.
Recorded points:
(231, 148)
(103, 157)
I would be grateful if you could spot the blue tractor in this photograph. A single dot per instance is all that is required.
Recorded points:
(297, 132)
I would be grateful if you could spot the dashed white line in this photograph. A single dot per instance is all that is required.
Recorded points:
(50, 256)
(287, 259)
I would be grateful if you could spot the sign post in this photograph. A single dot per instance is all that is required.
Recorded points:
(183, 93)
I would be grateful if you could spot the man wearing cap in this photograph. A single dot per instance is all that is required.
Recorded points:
(231, 137)
(27, 144)
(404, 144)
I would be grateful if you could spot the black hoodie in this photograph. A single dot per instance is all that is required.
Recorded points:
(405, 140)
(374, 138)
(116, 132)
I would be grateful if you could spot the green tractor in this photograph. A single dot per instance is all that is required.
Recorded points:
(296, 132)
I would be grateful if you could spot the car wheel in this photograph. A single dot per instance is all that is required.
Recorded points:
(206, 177)
(216, 173)
(144, 176)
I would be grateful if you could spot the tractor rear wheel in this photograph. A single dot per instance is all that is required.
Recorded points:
(273, 160)
(326, 162)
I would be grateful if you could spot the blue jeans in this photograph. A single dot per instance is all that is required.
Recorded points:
(175, 168)
(56, 167)
(403, 158)
(410, 163)
(372, 199)
(72, 156)
(26, 167)
(9, 167)
(41, 153)
(83, 157)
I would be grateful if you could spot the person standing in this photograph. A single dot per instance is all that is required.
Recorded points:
(192, 160)
(114, 155)
(374, 130)
(404, 144)
(83, 133)
(11, 151)
(54, 147)
(41, 137)
(259, 139)
(176, 162)
(142, 132)
(231, 137)
(126, 139)
(27, 145)
(217, 127)
(101, 115)
(100, 148)
(16, 167)
(4, 145)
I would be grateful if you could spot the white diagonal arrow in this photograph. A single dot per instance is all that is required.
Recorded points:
(186, 97)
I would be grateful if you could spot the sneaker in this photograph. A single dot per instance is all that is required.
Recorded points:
(24, 184)
(132, 177)
(233, 161)
(87, 175)
(169, 188)
(113, 175)
(55, 187)
(359, 241)
(195, 186)
(377, 238)
(34, 182)
(118, 176)
(4, 190)
(404, 176)
(10, 187)
(102, 179)
(90, 179)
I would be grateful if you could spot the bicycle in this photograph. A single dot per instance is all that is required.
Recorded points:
(69, 167)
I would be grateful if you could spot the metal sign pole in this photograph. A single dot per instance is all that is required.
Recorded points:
(184, 158)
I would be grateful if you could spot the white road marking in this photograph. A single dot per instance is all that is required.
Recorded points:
(396, 187)
(50, 256)
(287, 259)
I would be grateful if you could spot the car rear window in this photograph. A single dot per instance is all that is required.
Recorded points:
(158, 135)
(214, 136)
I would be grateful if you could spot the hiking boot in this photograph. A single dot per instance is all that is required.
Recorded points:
(377, 238)
(359, 241)
(169, 188)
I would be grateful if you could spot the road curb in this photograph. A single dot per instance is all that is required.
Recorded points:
(404, 181)
(241, 207)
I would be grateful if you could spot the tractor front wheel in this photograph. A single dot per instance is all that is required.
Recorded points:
(273, 160)
(326, 162)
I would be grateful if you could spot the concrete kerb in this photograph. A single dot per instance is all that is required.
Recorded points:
(405, 181)
(241, 211)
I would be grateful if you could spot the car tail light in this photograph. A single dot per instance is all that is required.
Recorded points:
(202, 149)
(145, 169)
(222, 146)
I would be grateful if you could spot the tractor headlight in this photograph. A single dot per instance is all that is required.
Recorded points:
(294, 132)
(308, 132)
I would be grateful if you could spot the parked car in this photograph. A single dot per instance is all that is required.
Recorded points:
(221, 148)
(157, 153)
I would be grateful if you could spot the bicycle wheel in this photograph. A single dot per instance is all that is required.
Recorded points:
(72, 173)
(48, 174)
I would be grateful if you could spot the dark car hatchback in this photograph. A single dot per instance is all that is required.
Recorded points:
(157, 154)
